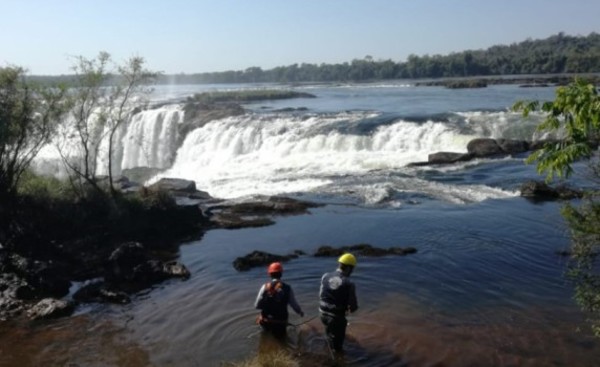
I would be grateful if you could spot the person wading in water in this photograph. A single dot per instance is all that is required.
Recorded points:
(337, 297)
(272, 301)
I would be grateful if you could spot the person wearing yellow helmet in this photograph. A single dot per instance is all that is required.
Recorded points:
(337, 297)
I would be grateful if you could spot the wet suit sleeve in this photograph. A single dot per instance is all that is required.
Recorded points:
(352, 302)
(259, 299)
(294, 303)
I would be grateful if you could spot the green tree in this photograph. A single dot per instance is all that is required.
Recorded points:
(28, 116)
(575, 113)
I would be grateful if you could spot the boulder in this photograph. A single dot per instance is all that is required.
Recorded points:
(511, 146)
(271, 206)
(175, 184)
(130, 267)
(50, 308)
(100, 293)
(123, 261)
(260, 258)
(539, 190)
(484, 147)
(363, 249)
(447, 157)
(10, 307)
(255, 213)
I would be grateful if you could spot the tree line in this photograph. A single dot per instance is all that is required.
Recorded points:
(557, 54)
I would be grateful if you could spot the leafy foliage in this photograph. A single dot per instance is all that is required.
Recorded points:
(575, 112)
(28, 114)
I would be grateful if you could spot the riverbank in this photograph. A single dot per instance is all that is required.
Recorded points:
(527, 81)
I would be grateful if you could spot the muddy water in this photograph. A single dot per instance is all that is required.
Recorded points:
(484, 289)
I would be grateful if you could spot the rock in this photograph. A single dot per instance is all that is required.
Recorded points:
(232, 221)
(130, 267)
(273, 205)
(175, 184)
(50, 308)
(179, 188)
(123, 261)
(511, 146)
(100, 293)
(363, 249)
(259, 258)
(484, 147)
(539, 190)
(49, 279)
(10, 308)
(254, 213)
(176, 269)
(448, 157)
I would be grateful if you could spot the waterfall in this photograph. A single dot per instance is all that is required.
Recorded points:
(149, 139)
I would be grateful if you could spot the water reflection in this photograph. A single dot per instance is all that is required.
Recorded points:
(400, 332)
(75, 341)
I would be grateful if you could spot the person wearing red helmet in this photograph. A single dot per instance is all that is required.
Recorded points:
(272, 301)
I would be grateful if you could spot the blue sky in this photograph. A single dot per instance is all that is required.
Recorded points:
(201, 36)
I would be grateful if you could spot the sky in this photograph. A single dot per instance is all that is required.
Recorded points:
(195, 36)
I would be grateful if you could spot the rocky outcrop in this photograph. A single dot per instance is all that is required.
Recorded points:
(363, 249)
(538, 190)
(448, 157)
(481, 148)
(49, 308)
(260, 258)
(130, 264)
(130, 268)
(180, 187)
(255, 213)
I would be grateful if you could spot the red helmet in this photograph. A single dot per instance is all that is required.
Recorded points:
(275, 268)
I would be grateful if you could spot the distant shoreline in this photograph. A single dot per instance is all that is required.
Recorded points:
(525, 81)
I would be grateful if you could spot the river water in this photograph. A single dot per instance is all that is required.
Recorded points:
(485, 288)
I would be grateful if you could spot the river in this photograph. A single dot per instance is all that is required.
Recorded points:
(485, 288)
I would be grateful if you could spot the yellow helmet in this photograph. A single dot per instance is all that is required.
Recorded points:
(347, 259)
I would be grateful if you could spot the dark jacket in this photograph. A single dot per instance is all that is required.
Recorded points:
(273, 299)
(337, 294)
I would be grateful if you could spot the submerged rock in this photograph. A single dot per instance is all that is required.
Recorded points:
(100, 293)
(260, 258)
(539, 190)
(363, 249)
(256, 213)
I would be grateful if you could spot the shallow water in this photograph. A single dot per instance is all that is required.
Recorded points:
(484, 288)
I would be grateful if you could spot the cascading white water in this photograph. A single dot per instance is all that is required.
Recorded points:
(151, 137)
(148, 140)
(278, 153)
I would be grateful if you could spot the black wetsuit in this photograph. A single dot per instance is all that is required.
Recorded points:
(337, 296)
